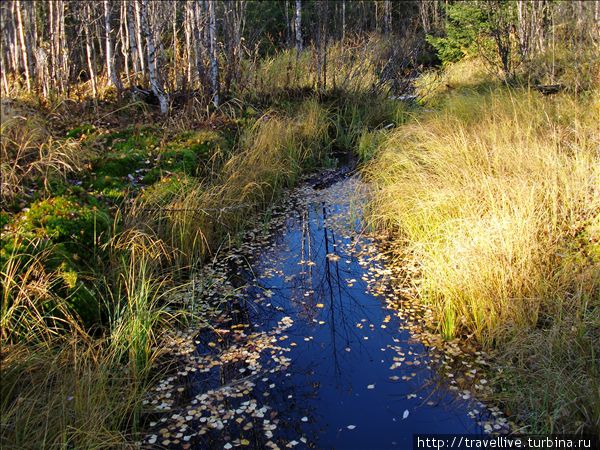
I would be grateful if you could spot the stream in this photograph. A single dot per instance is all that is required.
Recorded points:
(305, 344)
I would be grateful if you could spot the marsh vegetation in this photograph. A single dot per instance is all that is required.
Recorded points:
(145, 145)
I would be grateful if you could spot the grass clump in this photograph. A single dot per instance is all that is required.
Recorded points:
(195, 215)
(68, 385)
(493, 202)
(32, 159)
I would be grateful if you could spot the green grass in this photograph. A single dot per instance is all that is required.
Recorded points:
(493, 201)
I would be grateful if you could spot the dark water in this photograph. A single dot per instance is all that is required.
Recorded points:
(307, 338)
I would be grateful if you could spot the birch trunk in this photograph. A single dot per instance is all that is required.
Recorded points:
(288, 25)
(63, 48)
(152, 66)
(133, 48)
(111, 71)
(298, 25)
(24, 52)
(214, 63)
(89, 49)
(200, 47)
(138, 35)
(387, 16)
(343, 20)
(124, 34)
(189, 20)
(175, 45)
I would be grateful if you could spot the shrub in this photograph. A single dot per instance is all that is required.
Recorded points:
(465, 23)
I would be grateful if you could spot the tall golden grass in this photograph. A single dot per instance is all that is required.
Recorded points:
(351, 66)
(193, 218)
(493, 200)
(28, 150)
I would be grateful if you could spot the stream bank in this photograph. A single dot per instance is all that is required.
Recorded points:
(313, 347)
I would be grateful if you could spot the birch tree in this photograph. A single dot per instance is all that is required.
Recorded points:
(155, 83)
(387, 16)
(138, 35)
(111, 71)
(200, 49)
(89, 48)
(298, 25)
(132, 35)
(24, 44)
(214, 63)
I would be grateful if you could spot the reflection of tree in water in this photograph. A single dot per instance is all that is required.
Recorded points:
(312, 272)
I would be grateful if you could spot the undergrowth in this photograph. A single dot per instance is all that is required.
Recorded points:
(106, 210)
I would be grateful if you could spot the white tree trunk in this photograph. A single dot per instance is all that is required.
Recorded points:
(189, 20)
(214, 63)
(343, 19)
(298, 25)
(152, 66)
(135, 54)
(124, 32)
(89, 49)
(200, 45)
(24, 52)
(138, 34)
(111, 71)
(387, 16)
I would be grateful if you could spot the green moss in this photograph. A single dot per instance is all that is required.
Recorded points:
(4, 219)
(127, 150)
(81, 130)
(64, 219)
(68, 232)
(187, 152)
(132, 139)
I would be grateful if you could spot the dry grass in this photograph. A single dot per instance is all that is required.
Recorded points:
(493, 201)
(28, 152)
(351, 67)
(195, 218)
(63, 387)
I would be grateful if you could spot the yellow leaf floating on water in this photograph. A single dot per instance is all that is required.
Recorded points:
(320, 305)
(333, 257)
(245, 442)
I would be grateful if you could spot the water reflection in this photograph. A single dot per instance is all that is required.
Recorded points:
(309, 346)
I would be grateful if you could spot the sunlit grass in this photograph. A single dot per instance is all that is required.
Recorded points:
(492, 201)
(194, 218)
(351, 66)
